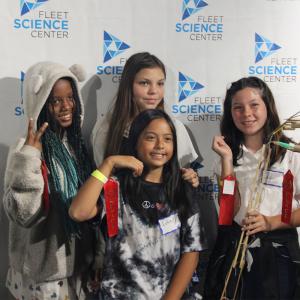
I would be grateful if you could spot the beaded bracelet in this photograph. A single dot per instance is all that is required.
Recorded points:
(100, 176)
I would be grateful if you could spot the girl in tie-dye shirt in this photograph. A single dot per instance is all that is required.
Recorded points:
(156, 250)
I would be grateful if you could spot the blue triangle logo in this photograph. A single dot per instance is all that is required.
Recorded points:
(190, 7)
(112, 46)
(264, 47)
(187, 86)
(27, 6)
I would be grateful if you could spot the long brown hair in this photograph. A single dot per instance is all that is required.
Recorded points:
(125, 109)
(233, 136)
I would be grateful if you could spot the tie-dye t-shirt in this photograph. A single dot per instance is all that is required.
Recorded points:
(140, 261)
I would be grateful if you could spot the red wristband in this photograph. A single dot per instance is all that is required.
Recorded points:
(227, 200)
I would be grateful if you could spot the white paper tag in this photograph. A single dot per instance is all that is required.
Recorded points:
(169, 224)
(228, 187)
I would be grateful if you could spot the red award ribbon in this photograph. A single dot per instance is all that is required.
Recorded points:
(227, 201)
(45, 196)
(111, 194)
(287, 197)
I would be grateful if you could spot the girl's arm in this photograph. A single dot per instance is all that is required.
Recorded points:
(256, 222)
(225, 153)
(24, 182)
(182, 276)
(84, 205)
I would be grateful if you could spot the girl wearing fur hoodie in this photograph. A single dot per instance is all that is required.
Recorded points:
(49, 253)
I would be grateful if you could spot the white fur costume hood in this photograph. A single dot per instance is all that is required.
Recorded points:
(39, 81)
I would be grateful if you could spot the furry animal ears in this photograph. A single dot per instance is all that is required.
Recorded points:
(37, 80)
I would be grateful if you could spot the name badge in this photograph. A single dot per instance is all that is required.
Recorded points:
(274, 178)
(169, 224)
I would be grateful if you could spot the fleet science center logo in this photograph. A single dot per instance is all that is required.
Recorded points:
(112, 47)
(42, 23)
(278, 68)
(201, 27)
(202, 108)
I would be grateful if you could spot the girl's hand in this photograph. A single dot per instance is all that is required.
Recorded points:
(33, 138)
(221, 148)
(256, 222)
(190, 176)
(126, 161)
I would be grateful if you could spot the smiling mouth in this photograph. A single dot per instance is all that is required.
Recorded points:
(151, 100)
(66, 117)
(248, 123)
(158, 155)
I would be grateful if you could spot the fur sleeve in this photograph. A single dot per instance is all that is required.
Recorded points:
(24, 186)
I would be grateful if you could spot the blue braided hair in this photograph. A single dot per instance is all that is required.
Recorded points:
(67, 171)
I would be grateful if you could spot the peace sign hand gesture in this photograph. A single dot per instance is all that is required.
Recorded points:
(33, 138)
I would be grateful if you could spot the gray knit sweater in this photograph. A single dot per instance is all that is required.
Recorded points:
(38, 245)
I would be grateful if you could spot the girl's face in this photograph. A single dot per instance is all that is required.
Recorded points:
(62, 103)
(249, 112)
(155, 144)
(148, 88)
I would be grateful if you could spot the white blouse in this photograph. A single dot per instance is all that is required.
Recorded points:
(271, 196)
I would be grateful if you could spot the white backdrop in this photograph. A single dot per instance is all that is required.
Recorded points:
(210, 43)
